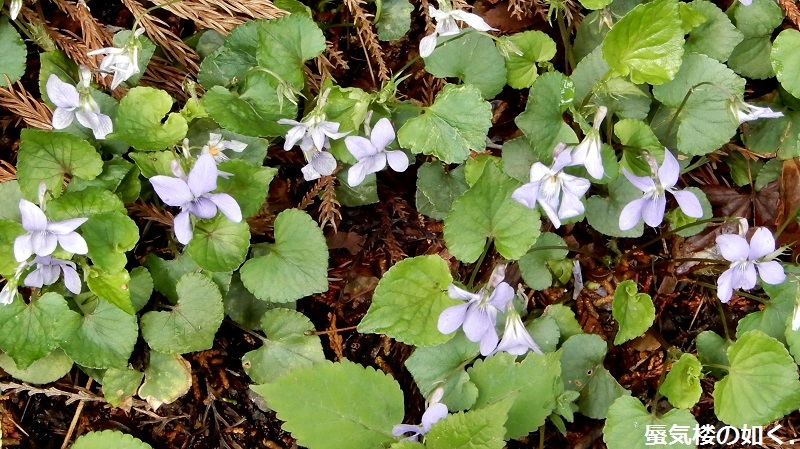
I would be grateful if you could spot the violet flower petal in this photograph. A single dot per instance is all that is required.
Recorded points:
(733, 247)
(761, 244)
(183, 228)
(203, 176)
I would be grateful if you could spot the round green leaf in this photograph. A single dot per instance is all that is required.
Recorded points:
(475, 429)
(486, 210)
(533, 265)
(286, 347)
(582, 370)
(243, 307)
(526, 49)
(167, 273)
(356, 410)
(761, 385)
(192, 323)
(141, 287)
(473, 59)
(140, 120)
(682, 385)
(457, 121)
(113, 287)
(84, 204)
(28, 332)
(14, 54)
(101, 339)
(295, 266)
(48, 369)
(109, 236)
(166, 378)
(437, 190)
(249, 185)
(219, 244)
(236, 56)
(285, 43)
(716, 37)
(751, 58)
(120, 384)
(395, 20)
(603, 213)
(760, 18)
(786, 60)
(633, 311)
(628, 419)
(107, 439)
(443, 366)
(647, 43)
(542, 121)
(408, 301)
(711, 350)
(48, 156)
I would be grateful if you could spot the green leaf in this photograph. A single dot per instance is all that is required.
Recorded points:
(200, 133)
(475, 429)
(595, 4)
(786, 60)
(166, 378)
(113, 287)
(243, 307)
(545, 332)
(633, 311)
(357, 410)
(48, 156)
(443, 366)
(761, 385)
(45, 370)
(140, 120)
(141, 287)
(286, 347)
(103, 338)
(408, 301)
(249, 185)
(285, 43)
(296, 265)
(778, 135)
(9, 231)
(647, 43)
(360, 195)
(533, 47)
(628, 420)
(154, 163)
(219, 244)
(109, 438)
(166, 274)
(86, 203)
(253, 108)
(395, 20)
(682, 385)
(565, 319)
(109, 236)
(486, 210)
(348, 107)
(582, 370)
(119, 176)
(717, 37)
(772, 318)
(636, 134)
(751, 58)
(532, 385)
(437, 190)
(542, 121)
(235, 57)
(691, 18)
(119, 386)
(10, 194)
(697, 69)
(603, 213)
(533, 265)
(457, 121)
(190, 325)
(758, 19)
(473, 59)
(146, 51)
(518, 156)
(14, 54)
(711, 350)
(29, 332)
(55, 62)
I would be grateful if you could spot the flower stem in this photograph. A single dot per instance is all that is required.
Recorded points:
(562, 27)
(478, 264)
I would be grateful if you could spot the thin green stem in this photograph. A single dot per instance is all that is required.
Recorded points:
(479, 263)
(562, 28)
(701, 161)
(378, 9)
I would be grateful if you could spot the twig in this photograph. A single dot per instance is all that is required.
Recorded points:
(75, 418)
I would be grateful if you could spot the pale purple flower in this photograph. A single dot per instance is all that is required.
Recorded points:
(44, 236)
(652, 205)
(478, 314)
(313, 132)
(588, 152)
(558, 193)
(216, 145)
(516, 339)
(746, 2)
(47, 273)
(76, 102)
(14, 8)
(122, 62)
(446, 25)
(193, 195)
(433, 414)
(748, 112)
(371, 153)
(746, 259)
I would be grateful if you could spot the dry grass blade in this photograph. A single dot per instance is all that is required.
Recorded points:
(18, 101)
(221, 16)
(7, 171)
(151, 213)
(368, 37)
(159, 31)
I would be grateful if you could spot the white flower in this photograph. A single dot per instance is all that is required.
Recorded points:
(557, 193)
(587, 153)
(216, 146)
(446, 25)
(77, 103)
(435, 412)
(122, 62)
(44, 236)
(320, 163)
(750, 112)
(746, 259)
(14, 8)
(371, 153)
(653, 203)
(311, 133)
(516, 339)
(46, 273)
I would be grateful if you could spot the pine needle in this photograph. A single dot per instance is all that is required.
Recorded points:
(18, 101)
